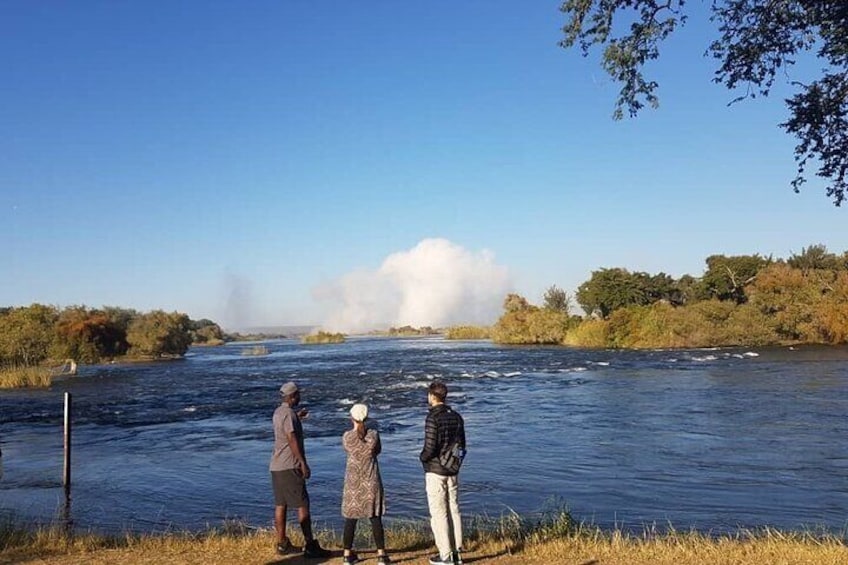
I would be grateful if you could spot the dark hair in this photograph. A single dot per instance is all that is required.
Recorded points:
(439, 390)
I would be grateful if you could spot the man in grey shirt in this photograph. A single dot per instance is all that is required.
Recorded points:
(289, 472)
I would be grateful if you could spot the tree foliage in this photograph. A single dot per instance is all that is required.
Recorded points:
(610, 289)
(88, 336)
(39, 335)
(27, 334)
(758, 41)
(815, 257)
(741, 300)
(206, 332)
(523, 322)
(515, 303)
(557, 299)
(727, 276)
(159, 334)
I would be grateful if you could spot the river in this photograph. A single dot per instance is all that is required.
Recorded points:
(711, 440)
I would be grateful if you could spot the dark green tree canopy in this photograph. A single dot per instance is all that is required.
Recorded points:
(727, 276)
(758, 40)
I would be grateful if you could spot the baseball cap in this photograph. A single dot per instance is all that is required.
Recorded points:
(288, 389)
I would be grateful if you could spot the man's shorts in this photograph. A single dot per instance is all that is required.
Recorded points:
(289, 488)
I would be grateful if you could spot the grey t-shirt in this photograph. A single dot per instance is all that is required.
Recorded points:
(285, 422)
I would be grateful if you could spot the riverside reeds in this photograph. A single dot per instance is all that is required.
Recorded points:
(23, 377)
(509, 540)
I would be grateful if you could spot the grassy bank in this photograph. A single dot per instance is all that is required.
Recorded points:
(507, 542)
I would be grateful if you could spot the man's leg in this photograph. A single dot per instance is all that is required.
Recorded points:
(311, 548)
(453, 502)
(305, 522)
(280, 523)
(437, 500)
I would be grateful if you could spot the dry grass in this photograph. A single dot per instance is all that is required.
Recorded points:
(25, 377)
(510, 541)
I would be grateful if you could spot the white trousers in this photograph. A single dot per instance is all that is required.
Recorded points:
(443, 499)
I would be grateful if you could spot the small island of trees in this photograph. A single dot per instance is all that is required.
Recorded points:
(741, 300)
(37, 337)
(323, 337)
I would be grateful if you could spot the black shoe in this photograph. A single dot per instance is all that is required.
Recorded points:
(350, 559)
(313, 550)
(286, 548)
(457, 557)
(384, 560)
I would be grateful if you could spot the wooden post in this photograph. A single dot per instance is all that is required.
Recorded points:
(67, 474)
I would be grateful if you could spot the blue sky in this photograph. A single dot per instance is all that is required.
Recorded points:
(240, 161)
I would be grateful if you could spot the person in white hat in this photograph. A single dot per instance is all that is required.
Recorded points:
(289, 472)
(363, 495)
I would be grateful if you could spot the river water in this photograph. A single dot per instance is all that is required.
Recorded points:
(712, 440)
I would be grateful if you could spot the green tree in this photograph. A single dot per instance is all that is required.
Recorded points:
(88, 336)
(727, 276)
(610, 289)
(557, 299)
(686, 290)
(814, 257)
(206, 331)
(159, 334)
(27, 334)
(758, 41)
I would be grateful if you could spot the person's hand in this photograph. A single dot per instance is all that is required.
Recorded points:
(303, 413)
(305, 470)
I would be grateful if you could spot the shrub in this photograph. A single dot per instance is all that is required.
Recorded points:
(469, 332)
(323, 337)
(592, 333)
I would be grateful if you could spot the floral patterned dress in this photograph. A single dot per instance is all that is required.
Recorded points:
(363, 488)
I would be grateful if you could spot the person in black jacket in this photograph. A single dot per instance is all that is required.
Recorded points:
(444, 433)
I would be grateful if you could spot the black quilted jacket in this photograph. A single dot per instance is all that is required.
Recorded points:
(442, 429)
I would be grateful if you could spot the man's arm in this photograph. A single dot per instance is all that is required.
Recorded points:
(431, 446)
(462, 433)
(291, 437)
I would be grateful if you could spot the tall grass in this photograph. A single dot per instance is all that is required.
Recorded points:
(511, 539)
(25, 377)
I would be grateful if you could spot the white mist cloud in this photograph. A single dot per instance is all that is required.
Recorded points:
(436, 283)
(237, 310)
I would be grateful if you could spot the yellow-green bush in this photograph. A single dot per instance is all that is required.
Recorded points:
(468, 332)
(591, 333)
(531, 325)
(323, 337)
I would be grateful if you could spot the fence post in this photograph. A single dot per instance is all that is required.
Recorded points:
(67, 474)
